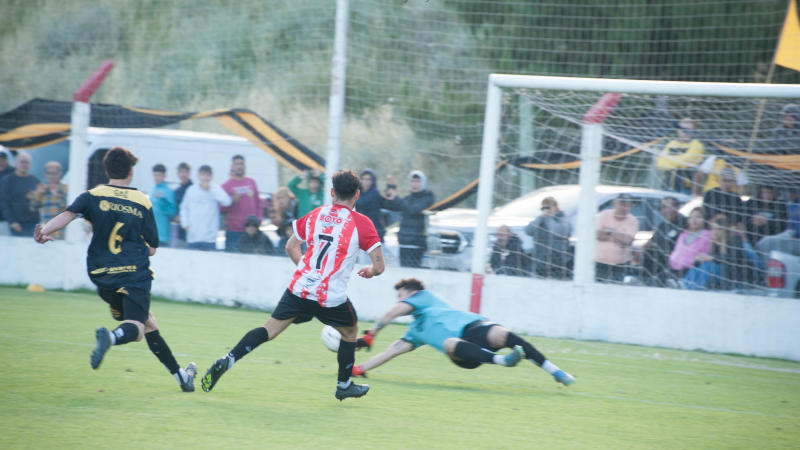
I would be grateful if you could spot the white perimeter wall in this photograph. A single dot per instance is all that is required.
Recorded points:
(716, 322)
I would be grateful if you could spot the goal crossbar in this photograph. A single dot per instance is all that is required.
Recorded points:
(645, 86)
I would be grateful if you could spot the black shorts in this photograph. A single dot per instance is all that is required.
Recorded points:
(127, 302)
(477, 333)
(304, 310)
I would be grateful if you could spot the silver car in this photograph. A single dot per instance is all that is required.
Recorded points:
(783, 275)
(451, 232)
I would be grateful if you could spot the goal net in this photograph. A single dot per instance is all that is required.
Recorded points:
(656, 155)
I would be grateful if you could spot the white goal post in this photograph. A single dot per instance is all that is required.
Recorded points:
(590, 149)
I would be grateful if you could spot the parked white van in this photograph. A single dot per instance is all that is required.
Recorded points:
(165, 146)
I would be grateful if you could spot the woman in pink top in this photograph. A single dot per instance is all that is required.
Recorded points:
(694, 240)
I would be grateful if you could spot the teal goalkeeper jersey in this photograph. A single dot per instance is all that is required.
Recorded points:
(435, 321)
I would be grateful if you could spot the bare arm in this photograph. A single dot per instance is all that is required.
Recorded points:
(609, 234)
(42, 233)
(622, 238)
(399, 309)
(398, 347)
(293, 249)
(378, 265)
(605, 234)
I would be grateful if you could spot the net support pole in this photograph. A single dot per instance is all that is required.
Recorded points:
(78, 159)
(589, 176)
(336, 99)
(491, 134)
(79, 140)
(527, 179)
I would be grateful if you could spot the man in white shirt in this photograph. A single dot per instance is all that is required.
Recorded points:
(199, 211)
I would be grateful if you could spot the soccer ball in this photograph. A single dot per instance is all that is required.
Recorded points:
(331, 337)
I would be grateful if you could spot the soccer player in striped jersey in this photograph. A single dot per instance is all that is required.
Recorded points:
(334, 235)
(468, 339)
(124, 237)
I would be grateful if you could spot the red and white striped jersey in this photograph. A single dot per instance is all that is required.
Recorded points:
(334, 234)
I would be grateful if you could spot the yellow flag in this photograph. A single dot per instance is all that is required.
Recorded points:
(788, 52)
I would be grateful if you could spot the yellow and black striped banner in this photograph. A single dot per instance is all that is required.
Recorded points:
(784, 162)
(41, 122)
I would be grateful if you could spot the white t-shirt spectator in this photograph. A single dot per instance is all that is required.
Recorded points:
(200, 212)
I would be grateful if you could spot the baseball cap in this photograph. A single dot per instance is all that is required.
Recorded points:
(625, 197)
(251, 221)
(790, 108)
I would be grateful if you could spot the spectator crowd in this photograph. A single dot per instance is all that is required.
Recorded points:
(192, 214)
(723, 244)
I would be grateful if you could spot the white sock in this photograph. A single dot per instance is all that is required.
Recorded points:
(500, 360)
(113, 338)
(550, 367)
(180, 375)
(344, 384)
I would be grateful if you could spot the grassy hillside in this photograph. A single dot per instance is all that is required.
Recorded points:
(416, 69)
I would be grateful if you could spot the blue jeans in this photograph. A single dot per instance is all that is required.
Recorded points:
(699, 277)
(207, 246)
(27, 229)
(231, 240)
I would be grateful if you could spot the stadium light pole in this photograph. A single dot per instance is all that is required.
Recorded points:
(336, 99)
(79, 141)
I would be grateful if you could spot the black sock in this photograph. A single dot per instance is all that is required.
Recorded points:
(126, 332)
(160, 348)
(530, 350)
(249, 342)
(346, 357)
(469, 352)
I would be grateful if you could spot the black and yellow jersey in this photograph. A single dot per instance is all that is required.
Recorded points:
(123, 227)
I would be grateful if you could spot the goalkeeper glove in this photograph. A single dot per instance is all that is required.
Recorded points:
(366, 340)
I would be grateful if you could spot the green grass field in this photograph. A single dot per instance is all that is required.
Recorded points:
(281, 395)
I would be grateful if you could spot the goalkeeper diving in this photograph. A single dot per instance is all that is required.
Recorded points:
(468, 339)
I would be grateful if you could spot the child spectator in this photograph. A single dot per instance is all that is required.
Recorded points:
(254, 241)
(163, 200)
